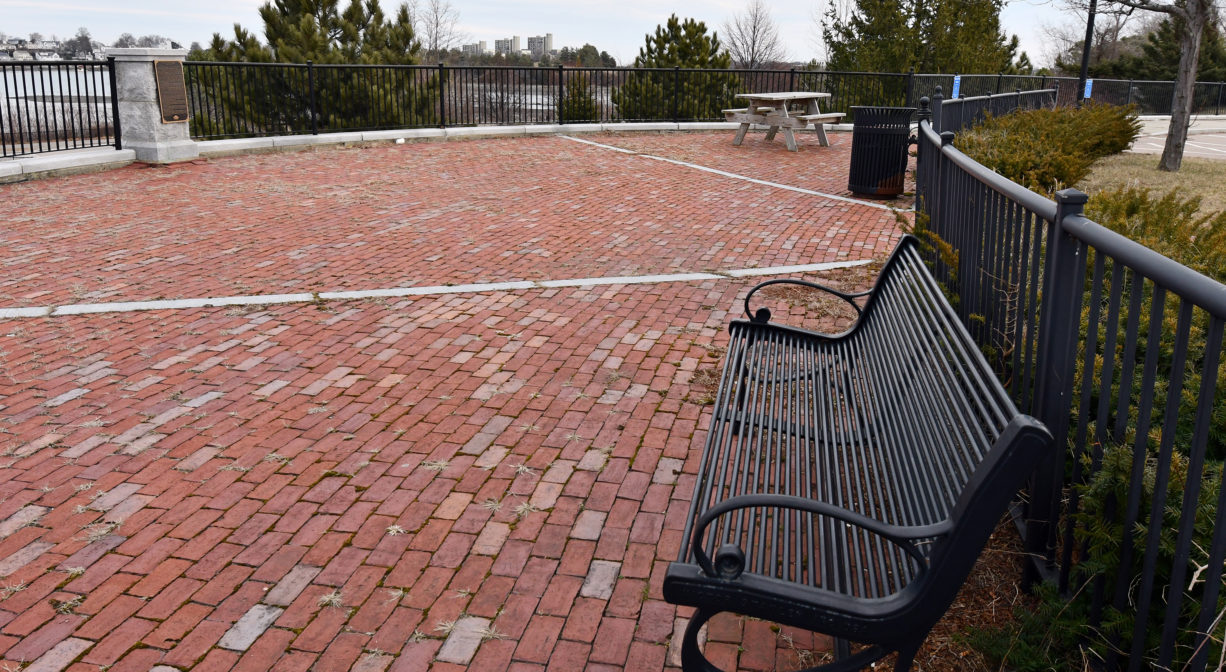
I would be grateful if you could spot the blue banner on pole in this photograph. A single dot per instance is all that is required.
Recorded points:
(958, 86)
(1089, 87)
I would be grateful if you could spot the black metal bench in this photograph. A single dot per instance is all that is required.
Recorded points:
(850, 481)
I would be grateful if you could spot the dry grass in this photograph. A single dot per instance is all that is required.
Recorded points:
(1202, 177)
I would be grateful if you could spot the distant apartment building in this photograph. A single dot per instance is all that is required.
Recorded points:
(509, 45)
(475, 49)
(540, 45)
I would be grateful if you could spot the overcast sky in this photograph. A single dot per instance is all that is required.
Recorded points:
(617, 26)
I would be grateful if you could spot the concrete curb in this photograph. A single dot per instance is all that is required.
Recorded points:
(77, 161)
(64, 163)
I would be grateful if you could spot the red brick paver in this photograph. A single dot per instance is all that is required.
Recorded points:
(417, 214)
(343, 485)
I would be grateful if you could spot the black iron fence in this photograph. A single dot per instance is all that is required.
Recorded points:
(1119, 351)
(58, 105)
(231, 100)
(68, 104)
(956, 115)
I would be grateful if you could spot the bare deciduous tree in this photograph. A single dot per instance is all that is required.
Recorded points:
(438, 19)
(752, 37)
(1194, 15)
(1111, 26)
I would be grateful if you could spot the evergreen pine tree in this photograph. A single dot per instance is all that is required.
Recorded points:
(578, 103)
(297, 31)
(1159, 59)
(688, 94)
(940, 36)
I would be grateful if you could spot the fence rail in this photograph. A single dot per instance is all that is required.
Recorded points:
(1119, 351)
(53, 106)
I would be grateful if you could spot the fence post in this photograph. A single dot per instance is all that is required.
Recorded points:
(1128, 98)
(937, 99)
(1060, 307)
(442, 95)
(792, 80)
(921, 155)
(940, 222)
(135, 94)
(909, 90)
(1000, 78)
(561, 94)
(311, 104)
(110, 64)
(676, 92)
(1218, 108)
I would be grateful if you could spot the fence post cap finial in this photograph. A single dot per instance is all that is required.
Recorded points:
(939, 91)
(947, 138)
(1072, 200)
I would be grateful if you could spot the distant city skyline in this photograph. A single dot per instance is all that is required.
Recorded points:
(618, 27)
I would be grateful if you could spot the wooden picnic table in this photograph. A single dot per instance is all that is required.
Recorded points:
(786, 110)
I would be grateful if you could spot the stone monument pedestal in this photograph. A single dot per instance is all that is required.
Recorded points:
(140, 118)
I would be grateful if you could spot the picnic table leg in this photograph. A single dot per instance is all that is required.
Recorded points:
(790, 138)
(770, 134)
(820, 128)
(740, 134)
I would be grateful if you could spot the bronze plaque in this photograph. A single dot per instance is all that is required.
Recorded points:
(172, 90)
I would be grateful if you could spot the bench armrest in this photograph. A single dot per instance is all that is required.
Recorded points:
(763, 315)
(903, 536)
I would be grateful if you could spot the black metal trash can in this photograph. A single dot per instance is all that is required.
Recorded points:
(879, 149)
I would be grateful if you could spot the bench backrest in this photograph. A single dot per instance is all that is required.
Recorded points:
(906, 415)
(968, 446)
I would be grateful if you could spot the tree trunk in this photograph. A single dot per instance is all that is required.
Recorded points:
(1196, 14)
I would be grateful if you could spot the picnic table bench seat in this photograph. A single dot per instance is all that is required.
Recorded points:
(825, 117)
(849, 481)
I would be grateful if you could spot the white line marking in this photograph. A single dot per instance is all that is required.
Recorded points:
(630, 280)
(806, 268)
(179, 304)
(269, 299)
(8, 313)
(1208, 147)
(724, 173)
(424, 291)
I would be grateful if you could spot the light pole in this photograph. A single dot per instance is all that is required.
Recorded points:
(1085, 54)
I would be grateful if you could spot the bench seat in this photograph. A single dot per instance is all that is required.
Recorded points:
(849, 481)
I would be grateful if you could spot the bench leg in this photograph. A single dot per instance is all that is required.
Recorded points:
(740, 135)
(770, 134)
(821, 134)
(905, 657)
(790, 138)
(692, 659)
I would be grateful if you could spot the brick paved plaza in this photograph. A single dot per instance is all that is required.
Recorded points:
(478, 480)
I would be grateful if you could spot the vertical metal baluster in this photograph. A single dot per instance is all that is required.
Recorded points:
(1140, 453)
(1170, 424)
